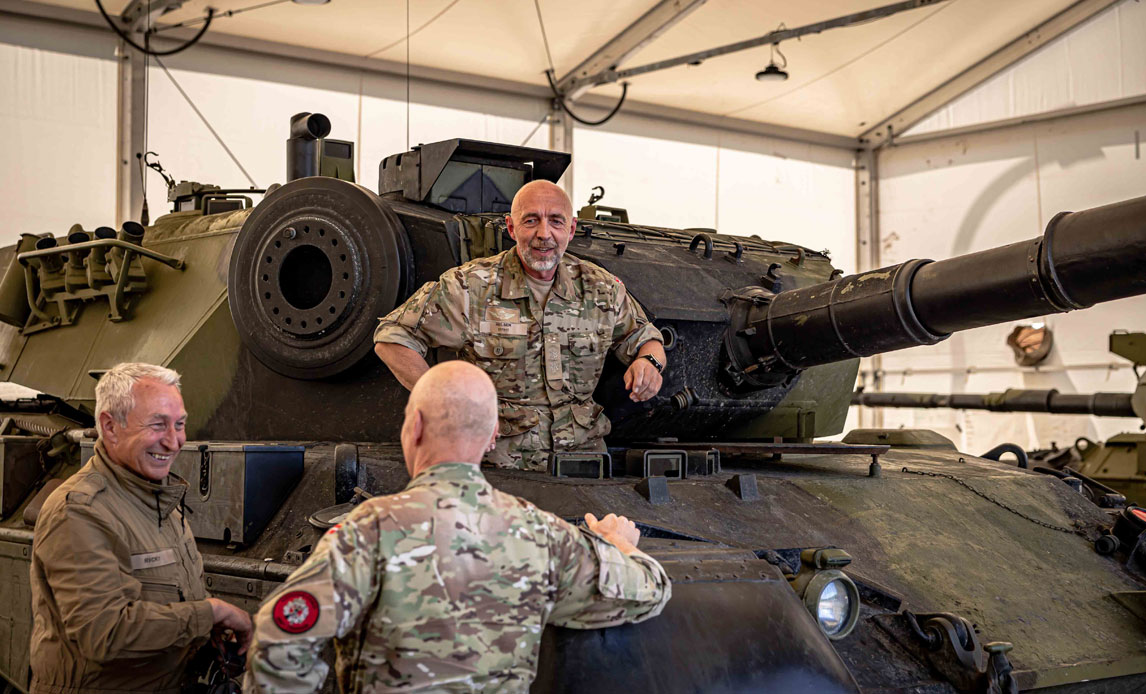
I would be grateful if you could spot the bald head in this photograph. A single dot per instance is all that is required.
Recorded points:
(451, 416)
(539, 188)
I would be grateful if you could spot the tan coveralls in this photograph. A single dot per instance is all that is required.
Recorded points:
(118, 600)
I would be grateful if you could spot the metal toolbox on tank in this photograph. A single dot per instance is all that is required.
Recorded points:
(235, 488)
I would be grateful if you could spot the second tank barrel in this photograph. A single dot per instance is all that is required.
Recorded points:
(1083, 258)
(1010, 400)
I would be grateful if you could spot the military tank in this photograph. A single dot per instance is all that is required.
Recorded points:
(1119, 462)
(798, 565)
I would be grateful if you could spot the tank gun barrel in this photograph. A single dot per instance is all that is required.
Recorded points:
(1082, 259)
(1010, 400)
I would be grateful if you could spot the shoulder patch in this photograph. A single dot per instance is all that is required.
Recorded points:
(593, 273)
(295, 612)
(86, 489)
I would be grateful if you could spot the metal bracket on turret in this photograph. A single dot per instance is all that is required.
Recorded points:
(54, 308)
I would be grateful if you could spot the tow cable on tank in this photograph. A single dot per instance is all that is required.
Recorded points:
(1070, 531)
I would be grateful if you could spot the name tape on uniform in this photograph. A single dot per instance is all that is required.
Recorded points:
(150, 560)
(490, 327)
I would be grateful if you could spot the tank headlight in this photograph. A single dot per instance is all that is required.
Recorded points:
(833, 600)
(833, 608)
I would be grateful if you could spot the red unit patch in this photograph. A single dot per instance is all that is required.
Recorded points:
(295, 612)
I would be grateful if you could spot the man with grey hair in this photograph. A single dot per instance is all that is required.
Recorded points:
(446, 586)
(117, 582)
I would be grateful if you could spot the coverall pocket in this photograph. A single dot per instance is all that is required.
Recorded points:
(161, 592)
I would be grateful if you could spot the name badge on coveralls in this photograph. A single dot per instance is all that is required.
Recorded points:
(150, 560)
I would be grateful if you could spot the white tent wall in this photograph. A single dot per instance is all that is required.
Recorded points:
(683, 176)
(1101, 60)
(58, 116)
(668, 173)
(249, 103)
(959, 194)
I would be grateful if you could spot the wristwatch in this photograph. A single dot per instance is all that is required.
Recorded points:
(659, 366)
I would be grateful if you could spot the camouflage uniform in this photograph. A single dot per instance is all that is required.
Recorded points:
(445, 587)
(545, 363)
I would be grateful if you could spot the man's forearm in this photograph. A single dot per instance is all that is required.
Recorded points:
(406, 364)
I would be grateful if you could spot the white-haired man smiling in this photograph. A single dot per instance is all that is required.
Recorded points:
(117, 582)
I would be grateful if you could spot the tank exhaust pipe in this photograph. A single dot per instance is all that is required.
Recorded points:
(97, 273)
(49, 263)
(304, 150)
(75, 274)
(132, 232)
(1084, 258)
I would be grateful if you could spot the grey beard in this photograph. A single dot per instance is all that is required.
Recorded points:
(539, 265)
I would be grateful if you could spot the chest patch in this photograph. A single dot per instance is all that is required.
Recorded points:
(504, 314)
(150, 560)
(295, 612)
(490, 327)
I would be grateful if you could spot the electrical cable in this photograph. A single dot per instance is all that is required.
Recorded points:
(557, 96)
(407, 75)
(147, 50)
(544, 36)
(427, 23)
(225, 13)
(206, 123)
(144, 210)
(535, 129)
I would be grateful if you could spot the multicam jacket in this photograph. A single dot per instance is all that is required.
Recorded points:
(445, 587)
(545, 362)
(117, 585)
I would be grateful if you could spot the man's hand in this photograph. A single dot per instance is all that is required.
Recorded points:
(618, 530)
(642, 380)
(227, 616)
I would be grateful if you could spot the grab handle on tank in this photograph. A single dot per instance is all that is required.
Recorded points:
(997, 452)
(53, 252)
(707, 244)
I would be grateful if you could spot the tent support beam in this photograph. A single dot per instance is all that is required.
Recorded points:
(990, 126)
(885, 132)
(625, 44)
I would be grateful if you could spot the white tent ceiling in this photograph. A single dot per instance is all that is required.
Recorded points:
(842, 81)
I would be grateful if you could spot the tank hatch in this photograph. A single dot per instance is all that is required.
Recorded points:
(467, 176)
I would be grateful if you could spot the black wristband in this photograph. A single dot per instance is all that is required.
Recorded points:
(656, 364)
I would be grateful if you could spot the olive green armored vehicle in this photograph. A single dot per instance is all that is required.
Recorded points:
(798, 565)
(1118, 463)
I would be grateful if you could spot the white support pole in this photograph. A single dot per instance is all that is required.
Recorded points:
(561, 140)
(130, 115)
(867, 259)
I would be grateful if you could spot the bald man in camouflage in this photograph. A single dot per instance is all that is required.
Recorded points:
(540, 323)
(447, 585)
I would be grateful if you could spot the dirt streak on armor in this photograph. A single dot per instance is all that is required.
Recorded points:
(446, 585)
(544, 361)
